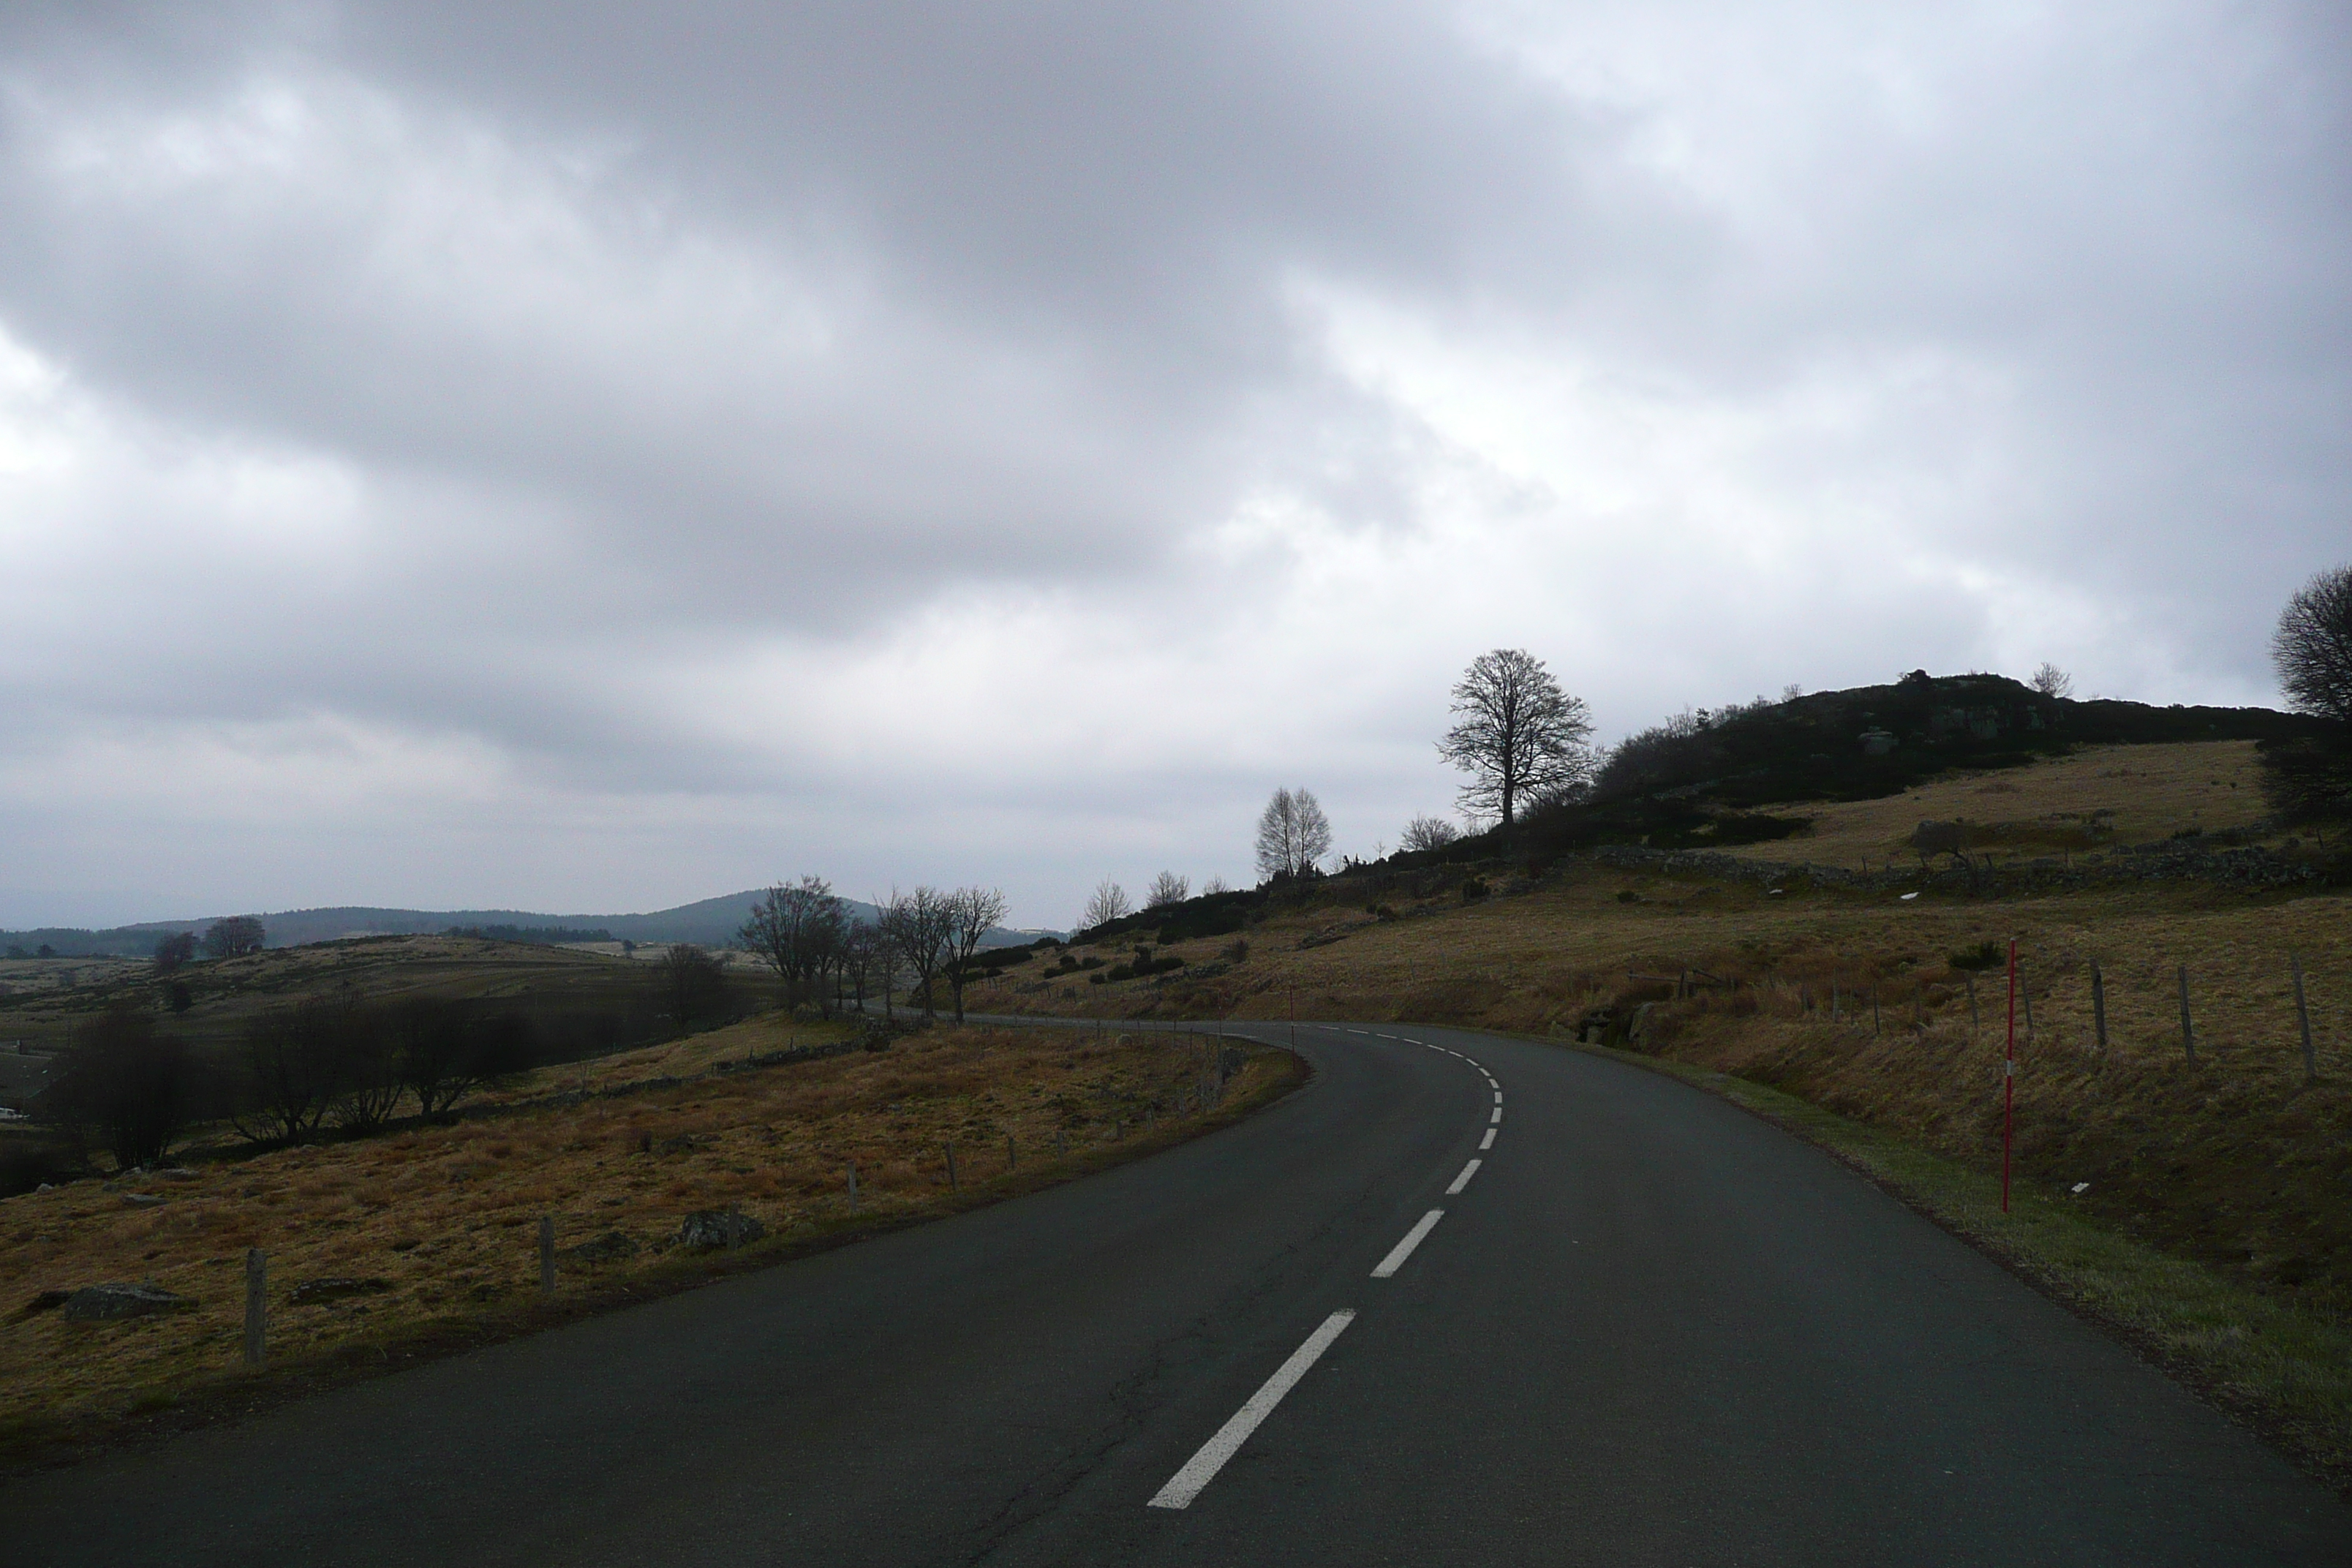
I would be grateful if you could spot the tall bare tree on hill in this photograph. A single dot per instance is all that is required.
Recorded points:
(2310, 777)
(1520, 736)
(1292, 834)
(1106, 904)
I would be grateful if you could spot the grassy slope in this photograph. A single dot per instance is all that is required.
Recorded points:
(2235, 1171)
(446, 1216)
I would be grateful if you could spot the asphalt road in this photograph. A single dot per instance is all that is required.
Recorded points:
(1648, 1329)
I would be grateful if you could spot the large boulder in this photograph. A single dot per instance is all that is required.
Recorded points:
(707, 1228)
(112, 1303)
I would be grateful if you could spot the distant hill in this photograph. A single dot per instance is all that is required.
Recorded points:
(711, 922)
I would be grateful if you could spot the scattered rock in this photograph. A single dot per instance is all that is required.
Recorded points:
(111, 1302)
(46, 1301)
(311, 1291)
(174, 1174)
(684, 1143)
(144, 1200)
(612, 1245)
(707, 1228)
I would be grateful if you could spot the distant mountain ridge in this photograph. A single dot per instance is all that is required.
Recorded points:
(710, 922)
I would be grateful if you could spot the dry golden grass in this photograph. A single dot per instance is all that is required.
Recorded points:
(2135, 793)
(446, 1216)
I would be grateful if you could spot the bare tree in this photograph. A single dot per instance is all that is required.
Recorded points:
(1213, 886)
(918, 926)
(368, 1086)
(2309, 777)
(2052, 681)
(1292, 834)
(445, 1053)
(1167, 889)
(691, 983)
(173, 951)
(864, 955)
(124, 1086)
(234, 937)
(1520, 736)
(796, 930)
(2313, 646)
(1108, 903)
(293, 1070)
(1424, 834)
(973, 913)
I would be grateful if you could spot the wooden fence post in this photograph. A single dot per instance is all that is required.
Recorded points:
(1874, 1008)
(2099, 1006)
(2025, 995)
(852, 1186)
(257, 1304)
(2303, 1018)
(2188, 1034)
(547, 1255)
(1012, 1154)
(951, 1170)
(1975, 1023)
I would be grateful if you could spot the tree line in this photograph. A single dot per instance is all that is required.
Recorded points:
(805, 932)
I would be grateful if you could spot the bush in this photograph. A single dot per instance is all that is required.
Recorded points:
(1236, 951)
(1474, 889)
(1983, 956)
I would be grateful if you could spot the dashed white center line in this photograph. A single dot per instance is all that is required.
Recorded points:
(1403, 1249)
(1498, 1117)
(1203, 1467)
(1462, 1180)
(1498, 1097)
(1488, 1140)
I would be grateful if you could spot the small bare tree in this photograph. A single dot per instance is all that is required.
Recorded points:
(124, 1086)
(1424, 834)
(1520, 735)
(691, 983)
(918, 926)
(1167, 889)
(173, 951)
(1292, 834)
(2052, 681)
(1213, 886)
(1107, 903)
(973, 913)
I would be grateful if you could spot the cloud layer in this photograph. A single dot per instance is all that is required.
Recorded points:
(581, 457)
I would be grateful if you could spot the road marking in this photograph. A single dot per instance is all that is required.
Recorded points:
(1498, 1097)
(1462, 1180)
(1203, 1467)
(1498, 1117)
(1488, 1140)
(1403, 1249)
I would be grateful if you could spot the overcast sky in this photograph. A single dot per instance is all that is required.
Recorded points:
(588, 458)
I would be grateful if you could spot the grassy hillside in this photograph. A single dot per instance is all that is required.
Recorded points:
(427, 1238)
(1859, 1001)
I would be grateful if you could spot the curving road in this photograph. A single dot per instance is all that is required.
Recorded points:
(1645, 1329)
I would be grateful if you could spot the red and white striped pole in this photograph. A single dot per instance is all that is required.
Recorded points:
(2009, 1077)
